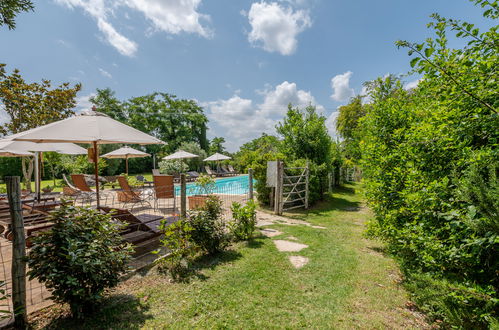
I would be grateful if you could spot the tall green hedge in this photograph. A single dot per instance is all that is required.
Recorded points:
(431, 162)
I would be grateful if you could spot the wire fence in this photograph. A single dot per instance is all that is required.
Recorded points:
(141, 208)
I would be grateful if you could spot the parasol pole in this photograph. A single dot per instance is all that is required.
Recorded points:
(96, 166)
(126, 162)
(37, 175)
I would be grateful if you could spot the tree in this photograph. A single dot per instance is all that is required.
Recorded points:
(305, 135)
(347, 126)
(348, 119)
(305, 138)
(29, 105)
(216, 145)
(430, 165)
(10, 8)
(162, 115)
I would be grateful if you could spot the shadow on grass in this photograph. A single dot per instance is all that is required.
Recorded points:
(211, 261)
(328, 204)
(115, 311)
(256, 242)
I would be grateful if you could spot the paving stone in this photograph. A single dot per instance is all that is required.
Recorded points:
(270, 232)
(298, 261)
(288, 246)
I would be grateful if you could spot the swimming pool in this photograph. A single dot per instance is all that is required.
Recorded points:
(236, 185)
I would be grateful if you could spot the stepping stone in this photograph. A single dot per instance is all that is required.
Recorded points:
(292, 238)
(287, 246)
(318, 227)
(298, 261)
(264, 223)
(270, 232)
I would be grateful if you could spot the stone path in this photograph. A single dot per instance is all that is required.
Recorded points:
(289, 244)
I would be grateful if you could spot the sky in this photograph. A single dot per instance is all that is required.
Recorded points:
(243, 61)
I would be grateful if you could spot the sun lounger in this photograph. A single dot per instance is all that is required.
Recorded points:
(142, 222)
(226, 171)
(129, 196)
(232, 170)
(209, 171)
(192, 175)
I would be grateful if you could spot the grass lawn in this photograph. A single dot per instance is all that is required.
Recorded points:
(348, 283)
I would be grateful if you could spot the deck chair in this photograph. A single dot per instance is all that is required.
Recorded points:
(226, 171)
(69, 189)
(164, 188)
(192, 175)
(210, 171)
(232, 170)
(129, 196)
(81, 184)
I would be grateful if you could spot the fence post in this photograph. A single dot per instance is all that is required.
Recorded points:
(18, 253)
(278, 189)
(250, 183)
(183, 196)
(306, 186)
(330, 182)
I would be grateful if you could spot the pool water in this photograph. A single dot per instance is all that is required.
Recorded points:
(237, 185)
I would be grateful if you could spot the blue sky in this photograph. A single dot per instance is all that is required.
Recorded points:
(243, 61)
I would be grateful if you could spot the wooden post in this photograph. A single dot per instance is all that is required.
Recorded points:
(279, 189)
(306, 186)
(330, 182)
(250, 183)
(96, 169)
(272, 197)
(183, 196)
(18, 253)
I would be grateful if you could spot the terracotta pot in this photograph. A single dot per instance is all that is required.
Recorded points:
(197, 201)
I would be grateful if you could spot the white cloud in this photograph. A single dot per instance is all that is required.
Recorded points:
(83, 102)
(276, 101)
(170, 16)
(412, 84)
(239, 119)
(100, 11)
(173, 16)
(105, 73)
(275, 27)
(341, 87)
(331, 124)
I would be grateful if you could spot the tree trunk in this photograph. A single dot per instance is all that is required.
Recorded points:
(27, 171)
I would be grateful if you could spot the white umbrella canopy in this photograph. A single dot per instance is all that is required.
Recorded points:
(14, 153)
(217, 157)
(180, 154)
(126, 152)
(93, 128)
(23, 146)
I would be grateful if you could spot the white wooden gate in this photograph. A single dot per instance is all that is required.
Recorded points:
(291, 190)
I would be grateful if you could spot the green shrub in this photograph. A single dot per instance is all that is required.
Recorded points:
(172, 167)
(209, 232)
(430, 164)
(181, 249)
(244, 221)
(80, 256)
(206, 184)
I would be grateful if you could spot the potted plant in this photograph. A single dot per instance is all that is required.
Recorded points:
(47, 189)
(205, 184)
